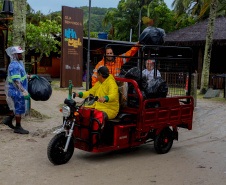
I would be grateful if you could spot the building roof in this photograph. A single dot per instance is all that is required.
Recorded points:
(106, 41)
(196, 34)
(119, 47)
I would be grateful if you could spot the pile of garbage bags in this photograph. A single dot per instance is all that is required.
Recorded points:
(156, 88)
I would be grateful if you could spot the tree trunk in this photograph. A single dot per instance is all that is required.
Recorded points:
(19, 23)
(208, 47)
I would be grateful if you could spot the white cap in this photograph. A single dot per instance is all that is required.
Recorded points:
(16, 49)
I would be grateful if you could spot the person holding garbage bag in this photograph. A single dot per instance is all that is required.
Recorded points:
(16, 89)
(114, 64)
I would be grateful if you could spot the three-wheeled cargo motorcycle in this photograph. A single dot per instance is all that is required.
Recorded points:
(140, 119)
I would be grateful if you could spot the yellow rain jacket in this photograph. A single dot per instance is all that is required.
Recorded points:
(109, 90)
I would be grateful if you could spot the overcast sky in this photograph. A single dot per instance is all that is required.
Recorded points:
(47, 6)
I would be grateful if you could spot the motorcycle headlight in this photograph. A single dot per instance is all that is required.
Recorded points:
(66, 111)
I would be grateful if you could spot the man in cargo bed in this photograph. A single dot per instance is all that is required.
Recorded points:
(114, 64)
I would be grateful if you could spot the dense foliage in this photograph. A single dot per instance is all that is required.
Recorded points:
(154, 13)
(42, 38)
(97, 16)
(119, 21)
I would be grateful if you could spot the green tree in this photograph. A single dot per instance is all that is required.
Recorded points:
(97, 16)
(122, 19)
(202, 9)
(199, 9)
(19, 23)
(126, 17)
(42, 38)
(110, 19)
(221, 10)
(208, 47)
(161, 15)
(183, 22)
(187, 8)
(55, 16)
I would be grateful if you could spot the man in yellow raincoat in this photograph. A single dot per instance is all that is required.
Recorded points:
(107, 91)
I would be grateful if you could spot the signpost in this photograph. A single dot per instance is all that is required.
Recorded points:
(71, 47)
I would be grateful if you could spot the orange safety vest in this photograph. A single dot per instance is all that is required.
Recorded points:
(114, 67)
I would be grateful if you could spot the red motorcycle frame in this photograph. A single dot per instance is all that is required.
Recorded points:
(133, 127)
(155, 120)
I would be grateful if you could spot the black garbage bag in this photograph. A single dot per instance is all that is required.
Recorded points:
(152, 36)
(134, 73)
(122, 73)
(134, 101)
(39, 89)
(157, 88)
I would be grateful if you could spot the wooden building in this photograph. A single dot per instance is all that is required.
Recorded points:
(195, 37)
(3, 67)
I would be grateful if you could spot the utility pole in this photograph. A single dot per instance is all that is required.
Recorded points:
(88, 53)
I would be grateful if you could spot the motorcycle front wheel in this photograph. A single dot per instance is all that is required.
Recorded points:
(55, 150)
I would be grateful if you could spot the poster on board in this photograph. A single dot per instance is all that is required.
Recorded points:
(71, 47)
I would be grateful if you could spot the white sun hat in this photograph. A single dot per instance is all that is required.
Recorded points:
(12, 51)
(16, 49)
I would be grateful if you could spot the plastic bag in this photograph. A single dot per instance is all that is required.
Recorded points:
(134, 101)
(134, 73)
(122, 73)
(39, 89)
(152, 36)
(157, 88)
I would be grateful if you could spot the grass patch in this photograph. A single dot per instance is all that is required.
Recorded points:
(36, 114)
(56, 86)
(60, 89)
(218, 99)
(176, 91)
(181, 92)
(200, 97)
(55, 83)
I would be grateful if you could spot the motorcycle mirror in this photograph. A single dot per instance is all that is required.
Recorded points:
(73, 95)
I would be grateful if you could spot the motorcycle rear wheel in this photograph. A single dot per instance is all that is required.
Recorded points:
(55, 150)
(163, 141)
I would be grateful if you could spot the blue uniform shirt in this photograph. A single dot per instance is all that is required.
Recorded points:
(16, 72)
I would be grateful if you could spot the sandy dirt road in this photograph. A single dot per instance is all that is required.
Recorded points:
(199, 157)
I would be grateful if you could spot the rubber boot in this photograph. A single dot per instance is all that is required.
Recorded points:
(20, 130)
(9, 121)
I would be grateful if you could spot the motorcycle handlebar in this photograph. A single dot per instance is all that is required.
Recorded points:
(93, 99)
